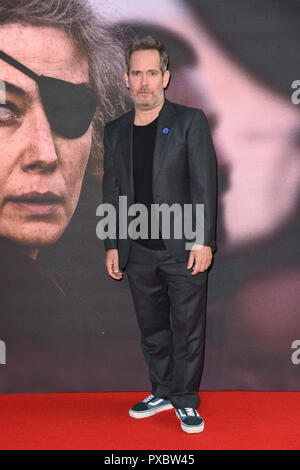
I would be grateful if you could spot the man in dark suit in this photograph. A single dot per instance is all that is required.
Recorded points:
(162, 153)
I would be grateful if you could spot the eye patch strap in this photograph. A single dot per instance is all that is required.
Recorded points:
(19, 66)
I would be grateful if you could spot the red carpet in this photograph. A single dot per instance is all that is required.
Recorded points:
(233, 420)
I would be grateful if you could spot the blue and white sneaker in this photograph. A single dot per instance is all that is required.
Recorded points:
(149, 406)
(191, 421)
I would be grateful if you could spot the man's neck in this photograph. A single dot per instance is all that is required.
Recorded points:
(30, 252)
(142, 116)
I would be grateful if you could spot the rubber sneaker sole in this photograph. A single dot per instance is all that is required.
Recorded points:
(190, 429)
(151, 412)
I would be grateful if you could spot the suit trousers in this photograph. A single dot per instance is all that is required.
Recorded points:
(170, 305)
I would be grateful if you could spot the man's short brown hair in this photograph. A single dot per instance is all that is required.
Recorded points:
(146, 43)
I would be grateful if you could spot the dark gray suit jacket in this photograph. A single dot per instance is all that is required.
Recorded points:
(184, 170)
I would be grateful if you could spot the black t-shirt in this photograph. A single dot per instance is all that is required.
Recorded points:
(143, 151)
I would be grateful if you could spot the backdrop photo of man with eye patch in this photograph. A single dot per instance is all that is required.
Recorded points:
(58, 69)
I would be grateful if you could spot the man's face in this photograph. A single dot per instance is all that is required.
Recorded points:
(41, 172)
(145, 80)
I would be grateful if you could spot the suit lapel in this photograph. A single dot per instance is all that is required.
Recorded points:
(126, 145)
(163, 136)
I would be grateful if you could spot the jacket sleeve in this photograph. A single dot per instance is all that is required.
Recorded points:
(203, 173)
(110, 185)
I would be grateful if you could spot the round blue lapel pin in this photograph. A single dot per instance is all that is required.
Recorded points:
(166, 130)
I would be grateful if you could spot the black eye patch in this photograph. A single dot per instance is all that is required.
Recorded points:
(69, 107)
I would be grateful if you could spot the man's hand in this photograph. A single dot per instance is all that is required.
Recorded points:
(202, 256)
(112, 264)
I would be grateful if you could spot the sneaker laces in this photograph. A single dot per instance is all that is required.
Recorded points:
(190, 412)
(148, 398)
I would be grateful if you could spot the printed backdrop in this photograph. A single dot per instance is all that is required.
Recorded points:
(237, 60)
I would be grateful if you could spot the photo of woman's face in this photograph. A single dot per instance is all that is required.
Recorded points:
(41, 172)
